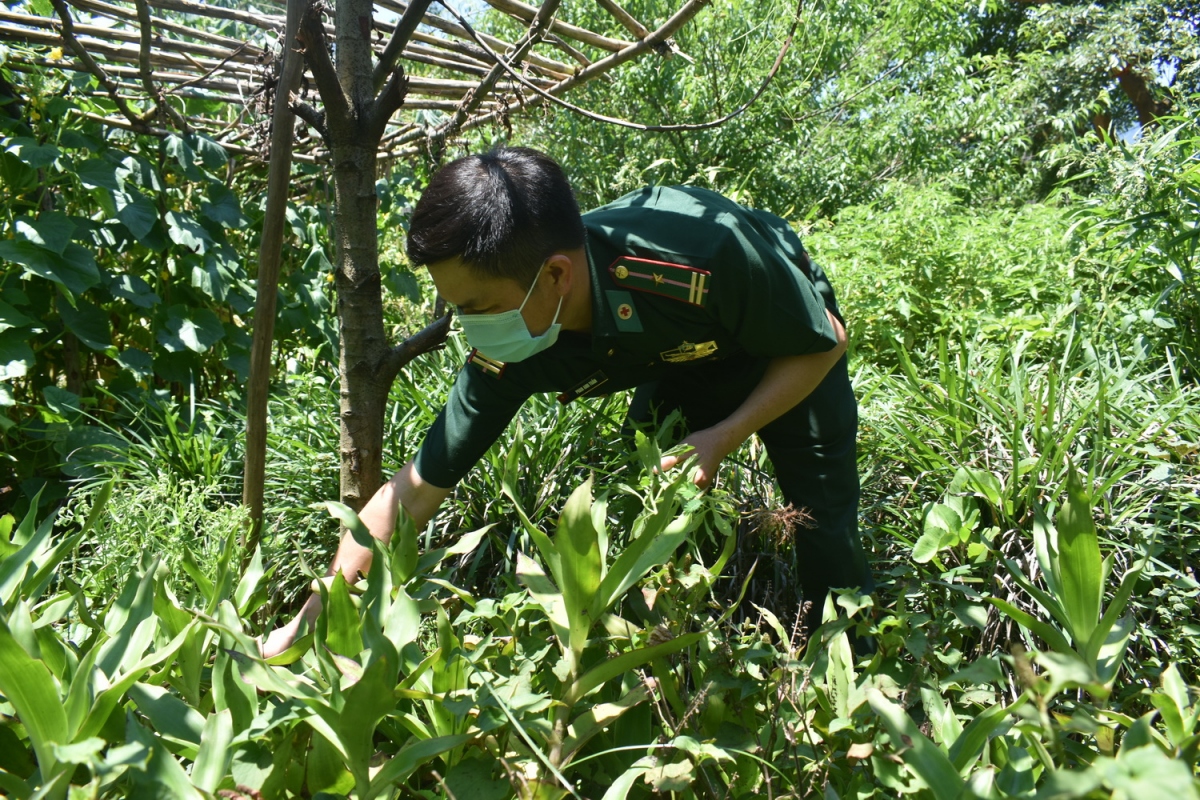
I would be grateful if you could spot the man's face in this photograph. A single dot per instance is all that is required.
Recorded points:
(472, 293)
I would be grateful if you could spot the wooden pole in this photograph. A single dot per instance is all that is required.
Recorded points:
(269, 257)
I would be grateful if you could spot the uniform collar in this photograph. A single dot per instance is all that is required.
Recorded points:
(604, 328)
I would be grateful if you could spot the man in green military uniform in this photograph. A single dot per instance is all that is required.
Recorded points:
(696, 302)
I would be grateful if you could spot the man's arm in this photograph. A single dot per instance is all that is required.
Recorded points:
(406, 488)
(787, 381)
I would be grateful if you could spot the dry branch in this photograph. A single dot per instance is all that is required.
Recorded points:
(117, 12)
(527, 13)
(264, 21)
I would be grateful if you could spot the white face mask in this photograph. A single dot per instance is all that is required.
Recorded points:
(505, 336)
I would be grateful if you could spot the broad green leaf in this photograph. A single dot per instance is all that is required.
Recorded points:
(1080, 565)
(213, 759)
(32, 154)
(223, 207)
(190, 329)
(51, 230)
(139, 215)
(75, 270)
(211, 153)
(16, 356)
(12, 318)
(100, 174)
(31, 690)
(139, 362)
(169, 715)
(921, 755)
(653, 547)
(620, 787)
(185, 231)
(135, 290)
(88, 322)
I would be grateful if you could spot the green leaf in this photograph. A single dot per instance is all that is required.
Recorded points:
(213, 759)
(579, 556)
(211, 153)
(345, 627)
(98, 173)
(169, 715)
(921, 755)
(181, 151)
(185, 231)
(1116, 607)
(51, 230)
(194, 329)
(223, 207)
(1052, 636)
(31, 690)
(16, 356)
(412, 756)
(971, 741)
(88, 322)
(607, 670)
(11, 318)
(75, 270)
(139, 216)
(136, 361)
(32, 154)
(135, 290)
(1080, 565)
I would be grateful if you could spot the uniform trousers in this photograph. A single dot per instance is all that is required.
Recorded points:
(811, 447)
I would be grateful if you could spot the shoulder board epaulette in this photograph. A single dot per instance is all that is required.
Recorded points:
(677, 281)
(486, 364)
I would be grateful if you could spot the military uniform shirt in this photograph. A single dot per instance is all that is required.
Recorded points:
(679, 276)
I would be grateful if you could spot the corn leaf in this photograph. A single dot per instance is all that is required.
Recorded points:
(1080, 565)
(410, 757)
(920, 755)
(33, 693)
(212, 761)
(579, 560)
(607, 670)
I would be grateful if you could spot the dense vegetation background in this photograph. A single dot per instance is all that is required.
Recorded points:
(1006, 196)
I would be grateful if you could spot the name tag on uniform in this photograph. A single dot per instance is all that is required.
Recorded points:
(590, 384)
(689, 352)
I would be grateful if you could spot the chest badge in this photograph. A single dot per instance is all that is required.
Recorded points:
(624, 311)
(689, 352)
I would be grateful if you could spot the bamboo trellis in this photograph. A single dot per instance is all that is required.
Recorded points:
(150, 56)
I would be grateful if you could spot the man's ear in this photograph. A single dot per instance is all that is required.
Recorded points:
(558, 267)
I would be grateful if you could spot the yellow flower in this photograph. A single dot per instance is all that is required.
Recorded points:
(166, 276)
(329, 277)
(56, 54)
(171, 179)
(34, 115)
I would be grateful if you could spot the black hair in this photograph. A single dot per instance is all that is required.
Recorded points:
(503, 213)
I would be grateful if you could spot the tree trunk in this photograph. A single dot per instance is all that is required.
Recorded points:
(360, 321)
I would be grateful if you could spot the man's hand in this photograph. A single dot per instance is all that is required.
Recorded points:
(709, 446)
